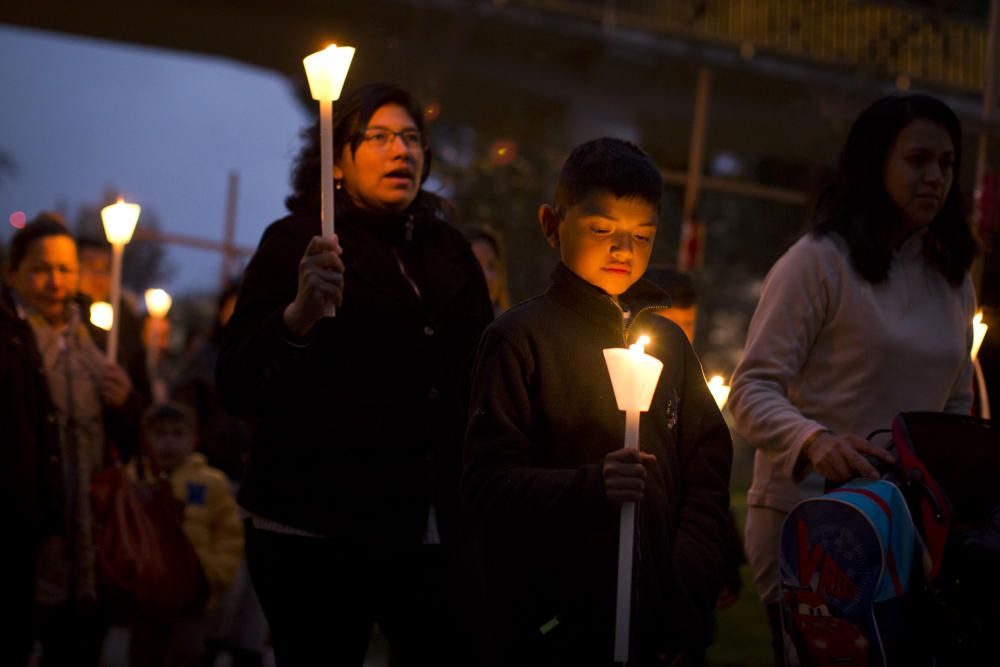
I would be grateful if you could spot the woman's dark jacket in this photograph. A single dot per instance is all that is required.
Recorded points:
(360, 424)
(543, 418)
(31, 467)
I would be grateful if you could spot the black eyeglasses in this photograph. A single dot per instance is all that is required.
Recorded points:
(381, 138)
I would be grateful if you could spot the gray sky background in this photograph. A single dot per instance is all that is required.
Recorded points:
(79, 116)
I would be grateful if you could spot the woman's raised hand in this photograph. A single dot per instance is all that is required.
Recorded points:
(321, 283)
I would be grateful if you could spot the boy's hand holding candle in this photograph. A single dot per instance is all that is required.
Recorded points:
(625, 475)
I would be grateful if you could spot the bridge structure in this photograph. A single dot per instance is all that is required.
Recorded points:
(770, 84)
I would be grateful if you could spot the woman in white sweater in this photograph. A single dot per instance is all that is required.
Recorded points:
(867, 316)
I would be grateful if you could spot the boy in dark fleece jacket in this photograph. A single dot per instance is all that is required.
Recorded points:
(545, 472)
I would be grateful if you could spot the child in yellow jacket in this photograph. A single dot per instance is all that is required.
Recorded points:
(211, 523)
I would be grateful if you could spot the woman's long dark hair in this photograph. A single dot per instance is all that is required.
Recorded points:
(857, 207)
(350, 118)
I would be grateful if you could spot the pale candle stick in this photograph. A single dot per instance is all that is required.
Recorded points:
(158, 304)
(634, 376)
(326, 164)
(117, 251)
(326, 71)
(119, 221)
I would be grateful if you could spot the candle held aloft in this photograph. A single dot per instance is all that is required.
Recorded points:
(119, 221)
(634, 375)
(158, 304)
(326, 71)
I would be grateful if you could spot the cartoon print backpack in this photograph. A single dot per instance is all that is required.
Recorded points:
(846, 562)
(905, 570)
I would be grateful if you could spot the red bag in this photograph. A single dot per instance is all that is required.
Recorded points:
(144, 562)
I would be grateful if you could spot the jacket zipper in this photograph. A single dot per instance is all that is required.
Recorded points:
(626, 330)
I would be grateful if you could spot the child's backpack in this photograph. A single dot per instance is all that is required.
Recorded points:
(905, 570)
(846, 562)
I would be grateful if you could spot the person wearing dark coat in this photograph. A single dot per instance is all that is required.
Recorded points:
(83, 405)
(545, 472)
(30, 474)
(353, 476)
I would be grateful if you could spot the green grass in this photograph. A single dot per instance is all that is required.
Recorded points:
(742, 637)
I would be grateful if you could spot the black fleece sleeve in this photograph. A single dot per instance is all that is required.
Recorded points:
(257, 348)
(500, 484)
(705, 453)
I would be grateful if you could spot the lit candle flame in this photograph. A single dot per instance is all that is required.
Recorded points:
(119, 221)
(639, 347)
(978, 333)
(102, 315)
(158, 302)
(720, 391)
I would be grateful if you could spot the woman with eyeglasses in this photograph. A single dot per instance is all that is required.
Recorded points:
(352, 483)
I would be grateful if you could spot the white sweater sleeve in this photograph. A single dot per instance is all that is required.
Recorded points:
(798, 295)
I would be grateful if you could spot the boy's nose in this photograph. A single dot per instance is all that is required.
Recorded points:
(621, 244)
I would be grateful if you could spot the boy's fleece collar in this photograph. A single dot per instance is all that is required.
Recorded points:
(597, 305)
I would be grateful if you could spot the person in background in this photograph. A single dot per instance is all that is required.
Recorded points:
(93, 406)
(224, 439)
(236, 625)
(95, 285)
(867, 316)
(211, 523)
(488, 249)
(545, 471)
(31, 478)
(353, 477)
(683, 310)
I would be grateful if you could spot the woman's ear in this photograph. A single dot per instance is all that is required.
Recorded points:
(549, 221)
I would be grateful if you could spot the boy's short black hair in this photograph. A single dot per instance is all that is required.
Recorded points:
(169, 413)
(47, 223)
(612, 165)
(676, 283)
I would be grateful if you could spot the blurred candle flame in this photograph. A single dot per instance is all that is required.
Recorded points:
(978, 333)
(720, 390)
(102, 315)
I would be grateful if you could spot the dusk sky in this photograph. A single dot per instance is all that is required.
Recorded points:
(80, 116)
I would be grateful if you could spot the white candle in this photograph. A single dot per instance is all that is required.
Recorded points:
(119, 223)
(634, 375)
(158, 304)
(326, 71)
